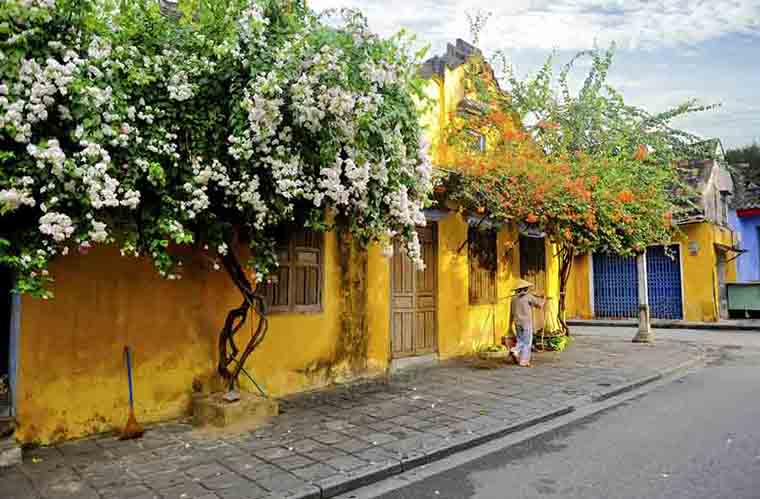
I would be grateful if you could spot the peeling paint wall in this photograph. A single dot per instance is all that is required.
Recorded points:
(462, 327)
(72, 379)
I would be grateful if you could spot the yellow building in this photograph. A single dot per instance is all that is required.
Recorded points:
(686, 282)
(360, 313)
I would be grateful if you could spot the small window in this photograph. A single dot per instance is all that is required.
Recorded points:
(533, 261)
(297, 283)
(482, 261)
(724, 208)
(477, 141)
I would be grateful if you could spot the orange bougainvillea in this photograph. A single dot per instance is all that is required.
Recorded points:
(625, 197)
(594, 173)
(642, 153)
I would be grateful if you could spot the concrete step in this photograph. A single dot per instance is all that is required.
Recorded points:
(10, 452)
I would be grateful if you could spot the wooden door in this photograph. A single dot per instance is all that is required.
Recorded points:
(413, 299)
(533, 269)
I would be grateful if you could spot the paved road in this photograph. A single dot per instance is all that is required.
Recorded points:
(698, 438)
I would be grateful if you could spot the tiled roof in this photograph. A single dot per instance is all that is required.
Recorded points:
(456, 55)
(747, 193)
(695, 174)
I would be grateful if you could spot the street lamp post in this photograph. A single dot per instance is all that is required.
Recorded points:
(644, 334)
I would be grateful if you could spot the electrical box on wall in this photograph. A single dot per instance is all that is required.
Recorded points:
(693, 248)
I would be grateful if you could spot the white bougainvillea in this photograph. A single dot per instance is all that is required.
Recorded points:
(225, 125)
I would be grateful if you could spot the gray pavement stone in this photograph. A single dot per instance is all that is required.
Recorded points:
(280, 482)
(315, 472)
(248, 491)
(258, 473)
(273, 453)
(226, 481)
(187, 490)
(126, 492)
(293, 462)
(165, 480)
(346, 463)
(204, 471)
(241, 463)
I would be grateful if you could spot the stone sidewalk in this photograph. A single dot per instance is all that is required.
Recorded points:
(331, 441)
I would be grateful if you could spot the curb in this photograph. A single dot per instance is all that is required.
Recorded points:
(334, 486)
(707, 326)
(338, 484)
(684, 366)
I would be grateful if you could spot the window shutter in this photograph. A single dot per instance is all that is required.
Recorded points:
(278, 292)
(482, 279)
(533, 262)
(297, 283)
(307, 264)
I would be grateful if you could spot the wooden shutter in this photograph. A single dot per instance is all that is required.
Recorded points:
(482, 263)
(297, 286)
(307, 269)
(533, 262)
(279, 291)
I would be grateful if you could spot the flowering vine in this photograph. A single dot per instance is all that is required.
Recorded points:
(121, 125)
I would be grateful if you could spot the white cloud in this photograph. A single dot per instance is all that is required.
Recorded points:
(567, 24)
(648, 73)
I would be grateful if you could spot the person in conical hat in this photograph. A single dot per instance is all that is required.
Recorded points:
(521, 316)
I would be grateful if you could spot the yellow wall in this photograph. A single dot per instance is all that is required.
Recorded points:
(378, 309)
(700, 275)
(72, 381)
(578, 291)
(463, 327)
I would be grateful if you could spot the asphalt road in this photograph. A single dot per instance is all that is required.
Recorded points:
(698, 437)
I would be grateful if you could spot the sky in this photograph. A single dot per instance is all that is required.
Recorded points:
(668, 51)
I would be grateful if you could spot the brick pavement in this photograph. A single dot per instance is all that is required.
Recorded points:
(330, 441)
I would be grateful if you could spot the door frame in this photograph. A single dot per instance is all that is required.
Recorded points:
(434, 352)
(14, 331)
(721, 271)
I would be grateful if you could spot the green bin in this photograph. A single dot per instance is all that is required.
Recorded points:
(744, 296)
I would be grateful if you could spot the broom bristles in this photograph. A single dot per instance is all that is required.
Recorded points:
(132, 429)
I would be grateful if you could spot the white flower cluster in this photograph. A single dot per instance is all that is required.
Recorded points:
(179, 88)
(51, 155)
(98, 232)
(103, 130)
(56, 225)
(93, 169)
(12, 199)
(34, 95)
(42, 4)
(251, 33)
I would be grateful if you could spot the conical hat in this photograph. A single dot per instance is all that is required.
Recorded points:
(522, 284)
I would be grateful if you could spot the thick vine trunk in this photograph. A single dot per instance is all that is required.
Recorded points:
(229, 353)
(566, 256)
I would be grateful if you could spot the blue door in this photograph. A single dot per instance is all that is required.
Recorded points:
(616, 293)
(664, 282)
(616, 285)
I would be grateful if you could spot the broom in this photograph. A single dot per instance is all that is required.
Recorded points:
(132, 429)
